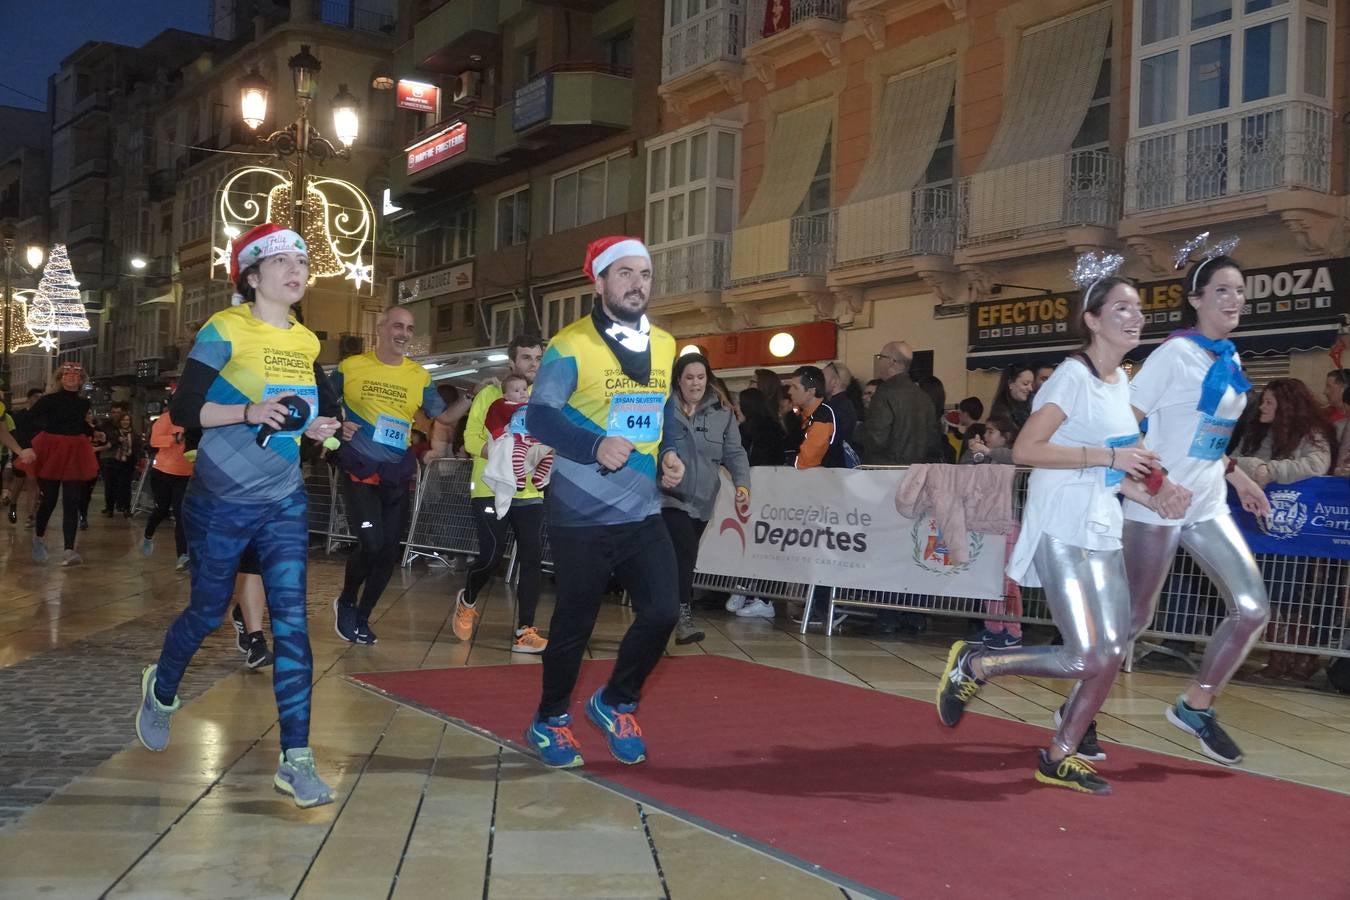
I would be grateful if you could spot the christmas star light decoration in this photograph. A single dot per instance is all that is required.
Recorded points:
(220, 256)
(47, 342)
(358, 272)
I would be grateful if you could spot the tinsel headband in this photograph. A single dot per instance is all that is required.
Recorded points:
(1208, 252)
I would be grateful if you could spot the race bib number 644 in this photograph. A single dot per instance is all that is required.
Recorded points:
(636, 417)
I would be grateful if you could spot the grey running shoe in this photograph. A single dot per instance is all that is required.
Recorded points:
(686, 632)
(147, 546)
(71, 558)
(296, 776)
(152, 717)
(182, 563)
(39, 550)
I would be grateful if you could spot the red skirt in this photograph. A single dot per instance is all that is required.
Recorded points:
(64, 457)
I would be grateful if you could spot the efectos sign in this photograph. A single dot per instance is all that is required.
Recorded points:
(1287, 295)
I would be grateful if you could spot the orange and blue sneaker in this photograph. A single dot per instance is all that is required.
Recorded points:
(553, 741)
(620, 727)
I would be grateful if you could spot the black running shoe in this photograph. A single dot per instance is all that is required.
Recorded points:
(1088, 748)
(1204, 724)
(1072, 773)
(958, 686)
(84, 523)
(240, 635)
(13, 515)
(258, 655)
(364, 635)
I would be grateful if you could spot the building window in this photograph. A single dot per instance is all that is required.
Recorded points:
(593, 192)
(619, 50)
(467, 313)
(691, 187)
(195, 311)
(448, 244)
(529, 63)
(513, 218)
(562, 308)
(445, 319)
(940, 167)
(1204, 57)
(1095, 132)
(817, 199)
(196, 210)
(507, 320)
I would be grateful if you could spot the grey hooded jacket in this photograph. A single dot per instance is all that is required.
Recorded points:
(710, 439)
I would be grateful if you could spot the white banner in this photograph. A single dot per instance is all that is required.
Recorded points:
(839, 527)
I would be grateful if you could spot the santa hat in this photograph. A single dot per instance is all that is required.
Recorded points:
(604, 251)
(259, 243)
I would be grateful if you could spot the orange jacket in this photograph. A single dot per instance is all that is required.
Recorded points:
(168, 437)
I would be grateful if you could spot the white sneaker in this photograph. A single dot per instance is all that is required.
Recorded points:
(735, 602)
(71, 558)
(756, 609)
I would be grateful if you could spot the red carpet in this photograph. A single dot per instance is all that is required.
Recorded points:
(872, 789)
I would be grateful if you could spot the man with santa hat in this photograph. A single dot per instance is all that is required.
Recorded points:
(250, 385)
(598, 401)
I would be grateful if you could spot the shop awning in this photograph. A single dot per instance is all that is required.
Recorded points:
(1258, 342)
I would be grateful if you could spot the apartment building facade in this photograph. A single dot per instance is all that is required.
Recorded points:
(530, 150)
(928, 170)
(24, 182)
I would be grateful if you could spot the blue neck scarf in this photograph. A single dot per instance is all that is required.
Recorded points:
(1223, 374)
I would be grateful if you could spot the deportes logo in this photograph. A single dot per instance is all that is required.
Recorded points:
(1287, 515)
(733, 525)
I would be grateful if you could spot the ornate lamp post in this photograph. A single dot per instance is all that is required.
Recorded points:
(33, 256)
(301, 139)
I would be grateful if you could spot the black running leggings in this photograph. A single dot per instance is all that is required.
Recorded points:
(72, 496)
(527, 521)
(377, 515)
(169, 490)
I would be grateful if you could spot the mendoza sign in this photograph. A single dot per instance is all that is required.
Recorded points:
(1279, 296)
(1307, 518)
(839, 527)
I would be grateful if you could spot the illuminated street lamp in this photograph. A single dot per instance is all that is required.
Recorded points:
(300, 139)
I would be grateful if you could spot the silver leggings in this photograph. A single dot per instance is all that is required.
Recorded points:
(1219, 549)
(1089, 601)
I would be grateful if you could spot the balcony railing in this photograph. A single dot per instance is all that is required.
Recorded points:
(798, 11)
(920, 222)
(1285, 145)
(759, 253)
(713, 35)
(350, 14)
(1082, 188)
(691, 268)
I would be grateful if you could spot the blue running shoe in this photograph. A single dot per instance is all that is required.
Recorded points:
(344, 620)
(620, 727)
(297, 776)
(554, 742)
(152, 717)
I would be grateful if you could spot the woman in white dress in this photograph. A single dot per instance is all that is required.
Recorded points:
(1192, 391)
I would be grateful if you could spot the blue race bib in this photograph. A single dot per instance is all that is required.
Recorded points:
(392, 432)
(1116, 476)
(636, 417)
(517, 423)
(1211, 437)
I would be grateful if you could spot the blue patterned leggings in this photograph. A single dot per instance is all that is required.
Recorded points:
(218, 531)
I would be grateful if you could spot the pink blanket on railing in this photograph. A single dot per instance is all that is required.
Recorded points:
(961, 499)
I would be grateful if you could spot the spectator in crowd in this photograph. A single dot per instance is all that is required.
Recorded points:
(1289, 441)
(821, 441)
(901, 427)
(1337, 381)
(1042, 373)
(701, 429)
(768, 382)
(868, 392)
(22, 482)
(724, 394)
(959, 423)
(761, 432)
(1341, 459)
(837, 378)
(119, 466)
(990, 442)
(1013, 397)
(936, 392)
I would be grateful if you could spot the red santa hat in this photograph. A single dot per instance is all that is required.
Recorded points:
(602, 252)
(259, 243)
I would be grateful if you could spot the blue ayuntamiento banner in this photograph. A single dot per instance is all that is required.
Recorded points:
(1307, 518)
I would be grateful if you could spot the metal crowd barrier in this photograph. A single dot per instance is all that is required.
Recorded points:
(142, 498)
(442, 524)
(1310, 600)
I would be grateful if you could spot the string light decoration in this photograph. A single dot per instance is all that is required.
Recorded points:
(338, 220)
(20, 335)
(57, 305)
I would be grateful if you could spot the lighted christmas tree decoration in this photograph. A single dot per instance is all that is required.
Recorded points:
(59, 288)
